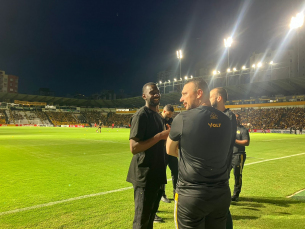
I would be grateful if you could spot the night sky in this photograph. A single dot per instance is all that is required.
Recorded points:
(88, 46)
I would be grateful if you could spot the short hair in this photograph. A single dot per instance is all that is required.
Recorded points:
(169, 107)
(147, 84)
(223, 93)
(200, 84)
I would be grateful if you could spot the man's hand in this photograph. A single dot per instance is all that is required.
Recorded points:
(164, 134)
(137, 146)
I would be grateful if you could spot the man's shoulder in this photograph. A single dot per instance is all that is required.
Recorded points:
(241, 127)
(229, 113)
(141, 111)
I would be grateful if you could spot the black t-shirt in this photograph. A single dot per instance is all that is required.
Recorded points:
(148, 167)
(232, 118)
(204, 136)
(168, 121)
(241, 134)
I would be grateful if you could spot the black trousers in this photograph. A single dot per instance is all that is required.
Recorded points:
(172, 163)
(146, 205)
(201, 212)
(238, 162)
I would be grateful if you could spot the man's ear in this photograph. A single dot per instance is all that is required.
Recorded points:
(144, 96)
(219, 98)
(199, 93)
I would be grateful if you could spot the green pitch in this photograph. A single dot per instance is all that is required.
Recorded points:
(74, 178)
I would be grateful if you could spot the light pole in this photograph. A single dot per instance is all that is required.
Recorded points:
(297, 22)
(271, 65)
(179, 56)
(228, 43)
(174, 83)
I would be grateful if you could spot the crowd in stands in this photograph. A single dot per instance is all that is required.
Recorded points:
(273, 118)
(62, 118)
(17, 116)
(2, 117)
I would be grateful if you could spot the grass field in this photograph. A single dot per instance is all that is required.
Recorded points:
(75, 178)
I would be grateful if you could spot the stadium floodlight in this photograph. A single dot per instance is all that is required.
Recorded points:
(191, 77)
(180, 78)
(179, 56)
(228, 42)
(175, 79)
(214, 72)
(169, 81)
(160, 82)
(259, 64)
(253, 65)
(271, 62)
(234, 69)
(297, 22)
(228, 70)
(244, 67)
(185, 77)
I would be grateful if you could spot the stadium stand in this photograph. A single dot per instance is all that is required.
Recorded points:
(2, 117)
(273, 118)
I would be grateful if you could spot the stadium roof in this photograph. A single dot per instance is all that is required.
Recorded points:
(291, 86)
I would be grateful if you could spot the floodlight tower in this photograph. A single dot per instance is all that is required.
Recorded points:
(296, 23)
(228, 42)
(179, 56)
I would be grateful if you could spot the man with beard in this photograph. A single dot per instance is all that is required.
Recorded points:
(147, 168)
(218, 99)
(171, 161)
(203, 136)
(239, 156)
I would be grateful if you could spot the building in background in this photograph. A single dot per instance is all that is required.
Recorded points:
(8, 83)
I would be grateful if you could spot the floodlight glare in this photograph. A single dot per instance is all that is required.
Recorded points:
(214, 72)
(244, 67)
(271, 62)
(228, 42)
(259, 64)
(228, 70)
(234, 69)
(179, 54)
(160, 81)
(169, 81)
(297, 21)
(218, 72)
(253, 65)
(175, 79)
(180, 79)
(191, 77)
(185, 77)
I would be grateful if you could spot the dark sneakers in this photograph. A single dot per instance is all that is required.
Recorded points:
(158, 219)
(165, 199)
(234, 198)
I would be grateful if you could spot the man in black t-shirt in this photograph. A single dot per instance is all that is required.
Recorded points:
(171, 161)
(147, 168)
(218, 98)
(239, 156)
(203, 136)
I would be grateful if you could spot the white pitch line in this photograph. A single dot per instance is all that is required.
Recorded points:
(63, 201)
(273, 159)
(108, 192)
